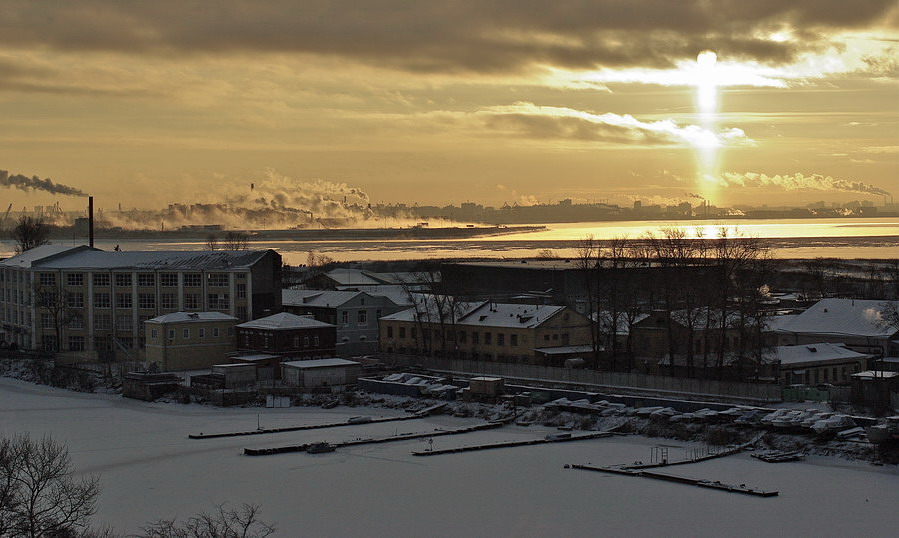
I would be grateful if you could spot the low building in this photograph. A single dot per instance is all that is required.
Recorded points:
(821, 362)
(334, 374)
(288, 335)
(858, 324)
(268, 367)
(486, 330)
(149, 386)
(355, 313)
(236, 375)
(189, 340)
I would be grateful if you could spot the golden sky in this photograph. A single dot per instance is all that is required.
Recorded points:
(149, 103)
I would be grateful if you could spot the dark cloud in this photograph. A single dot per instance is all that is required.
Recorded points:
(463, 35)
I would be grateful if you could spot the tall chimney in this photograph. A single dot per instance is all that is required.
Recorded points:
(90, 221)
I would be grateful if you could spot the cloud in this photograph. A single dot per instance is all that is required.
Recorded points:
(542, 122)
(459, 36)
(797, 181)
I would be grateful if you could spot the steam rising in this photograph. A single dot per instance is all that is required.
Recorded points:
(26, 183)
(798, 181)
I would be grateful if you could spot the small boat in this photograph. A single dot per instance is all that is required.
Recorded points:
(359, 420)
(833, 424)
(886, 431)
(778, 456)
(320, 448)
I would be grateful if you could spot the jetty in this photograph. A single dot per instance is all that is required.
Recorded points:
(699, 482)
(368, 441)
(728, 451)
(558, 438)
(353, 421)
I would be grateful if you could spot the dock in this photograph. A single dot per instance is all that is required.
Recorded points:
(699, 482)
(508, 444)
(374, 440)
(262, 431)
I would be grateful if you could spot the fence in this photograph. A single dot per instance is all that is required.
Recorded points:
(613, 380)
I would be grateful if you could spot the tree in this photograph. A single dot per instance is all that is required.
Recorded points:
(57, 302)
(39, 495)
(240, 522)
(212, 242)
(235, 240)
(30, 232)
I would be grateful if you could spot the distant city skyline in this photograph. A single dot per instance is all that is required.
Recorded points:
(297, 104)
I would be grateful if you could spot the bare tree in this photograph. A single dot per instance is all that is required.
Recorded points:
(30, 232)
(235, 240)
(212, 242)
(39, 495)
(57, 302)
(240, 522)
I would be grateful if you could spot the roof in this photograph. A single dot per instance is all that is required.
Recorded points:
(191, 317)
(220, 260)
(43, 252)
(283, 321)
(350, 276)
(565, 350)
(255, 358)
(320, 363)
(488, 314)
(844, 317)
(806, 353)
(318, 298)
(875, 374)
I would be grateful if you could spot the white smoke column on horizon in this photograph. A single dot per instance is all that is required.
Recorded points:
(798, 181)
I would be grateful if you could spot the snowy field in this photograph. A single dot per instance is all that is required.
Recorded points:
(150, 469)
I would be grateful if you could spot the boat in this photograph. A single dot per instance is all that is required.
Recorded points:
(833, 424)
(778, 456)
(320, 448)
(885, 431)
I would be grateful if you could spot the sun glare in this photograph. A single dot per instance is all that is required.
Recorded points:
(706, 74)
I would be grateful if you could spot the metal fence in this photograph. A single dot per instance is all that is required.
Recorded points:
(610, 380)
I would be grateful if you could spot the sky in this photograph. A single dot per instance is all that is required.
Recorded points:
(144, 104)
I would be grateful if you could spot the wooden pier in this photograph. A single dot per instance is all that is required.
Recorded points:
(508, 444)
(702, 483)
(369, 441)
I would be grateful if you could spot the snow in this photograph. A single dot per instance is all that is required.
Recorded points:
(150, 469)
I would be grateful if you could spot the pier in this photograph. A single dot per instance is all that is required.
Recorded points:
(699, 482)
(508, 444)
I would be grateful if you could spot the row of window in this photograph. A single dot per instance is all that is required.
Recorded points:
(167, 301)
(361, 317)
(186, 332)
(191, 280)
(463, 336)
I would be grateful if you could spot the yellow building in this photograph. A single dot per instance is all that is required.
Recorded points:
(190, 340)
(487, 331)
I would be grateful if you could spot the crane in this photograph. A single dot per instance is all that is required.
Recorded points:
(5, 216)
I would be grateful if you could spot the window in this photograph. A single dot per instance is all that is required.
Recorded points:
(126, 342)
(101, 279)
(390, 331)
(76, 343)
(146, 300)
(101, 300)
(362, 317)
(171, 334)
(315, 341)
(402, 332)
(193, 280)
(201, 332)
(123, 300)
(474, 337)
(47, 279)
(500, 339)
(124, 322)
(488, 338)
(462, 335)
(185, 333)
(46, 321)
(154, 333)
(218, 279)
(305, 341)
(241, 313)
(76, 322)
(218, 301)
(102, 322)
(241, 291)
(146, 279)
(75, 300)
(168, 301)
(75, 279)
(191, 301)
(215, 332)
(123, 279)
(546, 337)
(513, 339)
(344, 317)
(169, 280)
(296, 342)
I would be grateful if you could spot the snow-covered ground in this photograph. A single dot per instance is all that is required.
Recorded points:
(150, 469)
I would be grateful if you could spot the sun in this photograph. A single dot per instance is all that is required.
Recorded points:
(707, 81)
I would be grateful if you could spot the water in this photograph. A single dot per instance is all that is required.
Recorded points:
(790, 238)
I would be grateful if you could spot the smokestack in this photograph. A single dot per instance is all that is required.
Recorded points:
(90, 221)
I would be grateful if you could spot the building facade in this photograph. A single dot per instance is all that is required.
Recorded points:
(189, 340)
(288, 335)
(91, 302)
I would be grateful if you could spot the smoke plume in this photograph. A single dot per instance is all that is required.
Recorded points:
(26, 183)
(798, 181)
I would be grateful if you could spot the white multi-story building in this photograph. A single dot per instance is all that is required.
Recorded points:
(85, 300)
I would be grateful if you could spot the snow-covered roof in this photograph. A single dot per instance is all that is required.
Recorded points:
(777, 323)
(565, 350)
(187, 317)
(43, 252)
(283, 321)
(319, 298)
(876, 374)
(792, 355)
(395, 292)
(320, 363)
(220, 260)
(845, 317)
(488, 314)
(256, 357)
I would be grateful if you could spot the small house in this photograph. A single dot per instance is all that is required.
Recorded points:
(334, 374)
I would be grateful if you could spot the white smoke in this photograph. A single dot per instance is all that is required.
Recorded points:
(799, 181)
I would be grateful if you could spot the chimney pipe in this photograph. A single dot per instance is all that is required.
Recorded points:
(90, 221)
